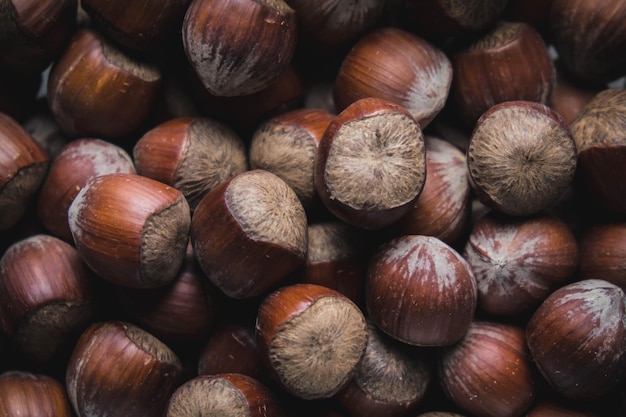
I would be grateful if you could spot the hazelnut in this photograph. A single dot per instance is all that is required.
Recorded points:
(518, 262)
(239, 47)
(521, 158)
(420, 291)
(77, 162)
(32, 394)
(249, 234)
(193, 155)
(489, 373)
(119, 370)
(312, 338)
(96, 89)
(577, 338)
(395, 65)
(370, 164)
(130, 230)
(603, 253)
(23, 167)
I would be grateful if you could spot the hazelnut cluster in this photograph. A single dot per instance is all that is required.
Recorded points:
(312, 208)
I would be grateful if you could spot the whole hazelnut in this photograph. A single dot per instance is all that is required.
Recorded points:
(239, 47)
(194, 155)
(518, 262)
(47, 296)
(521, 158)
(577, 338)
(370, 165)
(97, 90)
(489, 373)
(600, 141)
(398, 66)
(77, 162)
(130, 230)
(119, 370)
(420, 291)
(495, 69)
(603, 253)
(249, 234)
(23, 167)
(32, 394)
(312, 338)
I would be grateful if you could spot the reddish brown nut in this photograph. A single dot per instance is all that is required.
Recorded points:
(599, 132)
(286, 145)
(32, 33)
(232, 348)
(249, 234)
(496, 68)
(590, 38)
(239, 47)
(603, 253)
(327, 25)
(391, 379)
(140, 25)
(443, 207)
(521, 158)
(23, 167)
(371, 163)
(47, 296)
(397, 66)
(569, 97)
(77, 162)
(180, 312)
(420, 291)
(119, 370)
(454, 18)
(489, 373)
(229, 394)
(577, 339)
(96, 90)
(130, 230)
(312, 338)
(193, 155)
(336, 259)
(32, 394)
(518, 262)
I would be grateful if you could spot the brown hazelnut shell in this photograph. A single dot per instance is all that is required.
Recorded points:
(32, 394)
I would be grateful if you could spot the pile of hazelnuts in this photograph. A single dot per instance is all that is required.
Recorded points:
(312, 208)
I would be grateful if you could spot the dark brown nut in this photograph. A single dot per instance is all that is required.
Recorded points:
(577, 339)
(489, 373)
(521, 158)
(47, 296)
(391, 380)
(518, 262)
(144, 25)
(454, 18)
(443, 207)
(77, 162)
(32, 394)
(590, 38)
(495, 69)
(286, 145)
(599, 132)
(131, 230)
(193, 155)
(603, 253)
(249, 234)
(239, 47)
(97, 90)
(420, 291)
(32, 33)
(119, 370)
(371, 163)
(312, 338)
(23, 167)
(395, 65)
(220, 395)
